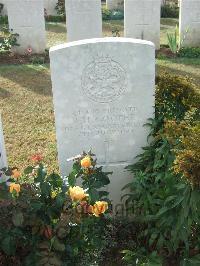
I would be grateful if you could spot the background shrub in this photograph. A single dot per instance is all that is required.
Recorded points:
(58, 18)
(112, 15)
(189, 52)
(165, 193)
(3, 19)
(168, 11)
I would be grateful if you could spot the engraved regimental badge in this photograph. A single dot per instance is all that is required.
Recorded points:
(104, 80)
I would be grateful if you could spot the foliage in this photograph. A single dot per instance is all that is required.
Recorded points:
(115, 32)
(60, 7)
(46, 221)
(8, 40)
(38, 60)
(168, 11)
(189, 52)
(188, 155)
(117, 15)
(1, 7)
(173, 41)
(58, 18)
(161, 199)
(175, 96)
(106, 14)
(112, 14)
(3, 20)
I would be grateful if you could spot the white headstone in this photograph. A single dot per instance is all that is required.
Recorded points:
(84, 19)
(142, 20)
(50, 6)
(103, 94)
(189, 23)
(3, 158)
(26, 17)
(115, 4)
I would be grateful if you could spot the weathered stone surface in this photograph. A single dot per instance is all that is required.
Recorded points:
(50, 5)
(3, 158)
(142, 20)
(84, 19)
(103, 92)
(26, 17)
(189, 23)
(115, 4)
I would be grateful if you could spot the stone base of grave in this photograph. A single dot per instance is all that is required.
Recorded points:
(119, 178)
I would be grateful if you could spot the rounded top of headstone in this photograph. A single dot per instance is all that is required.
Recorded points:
(102, 40)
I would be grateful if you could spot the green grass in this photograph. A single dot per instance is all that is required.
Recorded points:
(27, 114)
(56, 32)
(181, 66)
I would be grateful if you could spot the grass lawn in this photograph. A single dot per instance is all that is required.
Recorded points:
(56, 32)
(26, 98)
(27, 113)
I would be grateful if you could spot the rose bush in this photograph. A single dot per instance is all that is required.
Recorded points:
(50, 220)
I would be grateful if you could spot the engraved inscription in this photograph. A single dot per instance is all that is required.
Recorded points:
(197, 18)
(104, 121)
(104, 80)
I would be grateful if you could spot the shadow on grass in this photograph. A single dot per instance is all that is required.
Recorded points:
(171, 70)
(4, 93)
(56, 28)
(34, 78)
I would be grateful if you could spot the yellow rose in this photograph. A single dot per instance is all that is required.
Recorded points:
(77, 193)
(86, 162)
(15, 173)
(15, 187)
(99, 208)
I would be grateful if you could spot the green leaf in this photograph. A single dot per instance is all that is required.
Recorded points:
(28, 170)
(18, 218)
(45, 188)
(58, 245)
(8, 245)
(71, 180)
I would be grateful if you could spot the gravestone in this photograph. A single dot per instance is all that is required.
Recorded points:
(4, 10)
(142, 20)
(103, 94)
(84, 19)
(49, 6)
(3, 159)
(115, 4)
(26, 17)
(189, 23)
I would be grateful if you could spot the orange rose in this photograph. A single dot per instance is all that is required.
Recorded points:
(77, 193)
(86, 162)
(15, 173)
(15, 187)
(99, 208)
